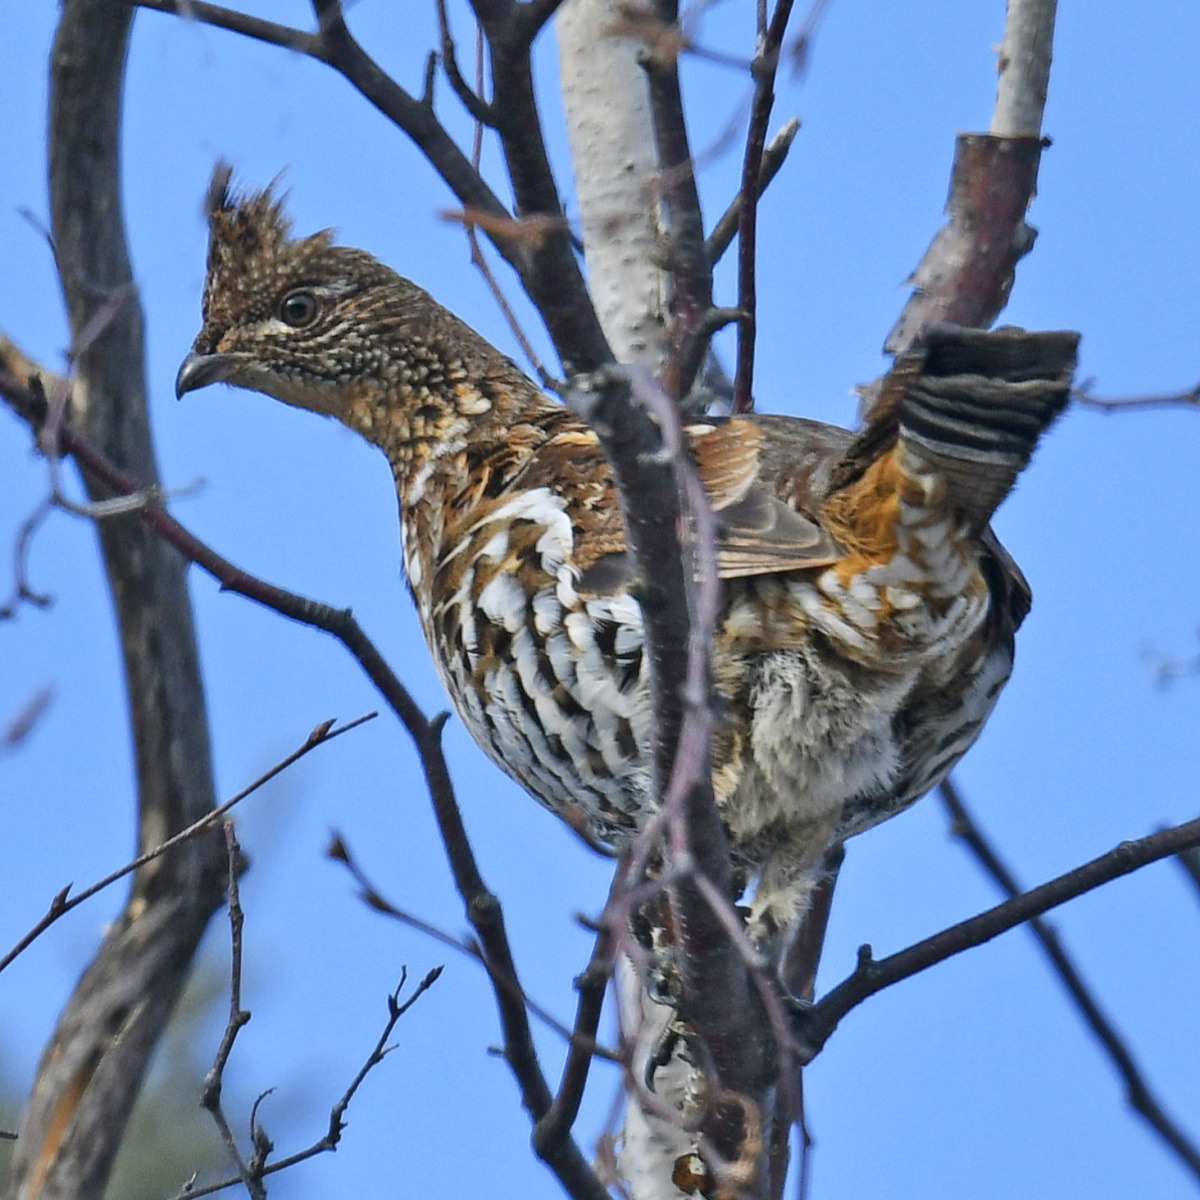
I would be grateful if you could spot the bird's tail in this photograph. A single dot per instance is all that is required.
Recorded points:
(968, 409)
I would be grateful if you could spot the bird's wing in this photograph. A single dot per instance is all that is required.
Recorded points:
(758, 479)
(761, 523)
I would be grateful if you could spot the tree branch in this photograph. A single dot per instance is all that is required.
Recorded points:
(815, 1025)
(92, 1068)
(1138, 1092)
(766, 63)
(554, 280)
(483, 910)
(967, 272)
(687, 261)
(333, 1134)
(773, 158)
(670, 532)
(61, 905)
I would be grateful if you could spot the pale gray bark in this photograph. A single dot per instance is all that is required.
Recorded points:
(1024, 68)
(616, 178)
(615, 162)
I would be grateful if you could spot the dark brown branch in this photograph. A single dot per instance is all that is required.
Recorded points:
(556, 1124)
(669, 529)
(1138, 1092)
(472, 100)
(687, 263)
(210, 1093)
(815, 1025)
(483, 910)
(92, 1068)
(477, 257)
(968, 270)
(531, 17)
(554, 279)
(773, 158)
(549, 272)
(337, 1123)
(60, 905)
(1189, 860)
(514, 993)
(1189, 399)
(766, 63)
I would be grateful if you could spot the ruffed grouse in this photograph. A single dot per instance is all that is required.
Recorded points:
(868, 611)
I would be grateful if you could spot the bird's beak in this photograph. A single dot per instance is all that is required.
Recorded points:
(199, 370)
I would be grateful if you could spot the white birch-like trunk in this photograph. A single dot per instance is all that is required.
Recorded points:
(609, 128)
(607, 106)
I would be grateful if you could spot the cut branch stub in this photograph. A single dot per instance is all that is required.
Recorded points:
(967, 272)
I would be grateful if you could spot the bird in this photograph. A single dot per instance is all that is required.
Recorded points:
(868, 612)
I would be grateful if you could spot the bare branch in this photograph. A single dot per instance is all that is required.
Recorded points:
(1024, 68)
(210, 1094)
(554, 279)
(1083, 395)
(766, 63)
(333, 1134)
(92, 1068)
(510, 987)
(773, 158)
(687, 262)
(1138, 1092)
(60, 905)
(967, 273)
(483, 910)
(815, 1025)
(472, 100)
(592, 984)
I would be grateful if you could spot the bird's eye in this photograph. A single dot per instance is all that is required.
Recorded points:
(299, 309)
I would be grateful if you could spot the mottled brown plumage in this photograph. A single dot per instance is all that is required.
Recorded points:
(868, 612)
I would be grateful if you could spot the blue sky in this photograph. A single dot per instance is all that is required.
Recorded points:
(975, 1079)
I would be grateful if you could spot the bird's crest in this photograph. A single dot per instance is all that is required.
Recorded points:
(250, 244)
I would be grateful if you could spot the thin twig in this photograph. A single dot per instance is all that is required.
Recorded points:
(375, 899)
(816, 1024)
(773, 158)
(60, 905)
(554, 279)
(477, 258)
(766, 63)
(333, 1134)
(210, 1093)
(1083, 395)
(1137, 1091)
(483, 909)
(592, 985)
(23, 592)
(472, 100)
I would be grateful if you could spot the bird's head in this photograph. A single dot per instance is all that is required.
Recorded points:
(324, 327)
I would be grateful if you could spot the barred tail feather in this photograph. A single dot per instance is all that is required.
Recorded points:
(979, 405)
